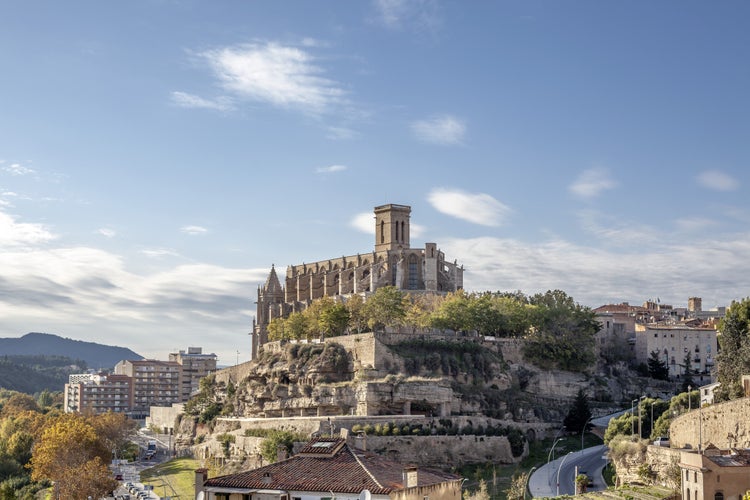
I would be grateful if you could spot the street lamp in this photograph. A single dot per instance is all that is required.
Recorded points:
(526, 486)
(652, 416)
(584, 430)
(632, 414)
(689, 398)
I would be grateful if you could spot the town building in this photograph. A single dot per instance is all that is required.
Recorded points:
(195, 365)
(674, 343)
(393, 262)
(97, 393)
(326, 469)
(155, 383)
(715, 474)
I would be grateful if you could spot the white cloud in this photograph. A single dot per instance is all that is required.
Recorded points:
(18, 169)
(717, 181)
(156, 253)
(364, 222)
(422, 15)
(591, 183)
(185, 100)
(14, 233)
(193, 230)
(595, 276)
(283, 76)
(107, 233)
(331, 169)
(478, 208)
(445, 129)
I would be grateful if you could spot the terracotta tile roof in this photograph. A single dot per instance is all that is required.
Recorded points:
(344, 471)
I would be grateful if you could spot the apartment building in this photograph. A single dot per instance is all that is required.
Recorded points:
(97, 393)
(195, 365)
(155, 383)
(673, 343)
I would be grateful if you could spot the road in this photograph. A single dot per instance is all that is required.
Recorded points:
(544, 481)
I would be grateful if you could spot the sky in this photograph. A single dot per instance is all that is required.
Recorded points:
(158, 156)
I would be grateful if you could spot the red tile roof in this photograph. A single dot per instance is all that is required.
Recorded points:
(345, 470)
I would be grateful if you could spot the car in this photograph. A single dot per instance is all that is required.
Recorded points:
(118, 477)
(662, 441)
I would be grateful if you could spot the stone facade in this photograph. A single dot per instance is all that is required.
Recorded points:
(723, 425)
(393, 262)
(673, 343)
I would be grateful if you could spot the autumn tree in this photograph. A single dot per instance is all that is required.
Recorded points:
(357, 314)
(70, 454)
(114, 429)
(333, 317)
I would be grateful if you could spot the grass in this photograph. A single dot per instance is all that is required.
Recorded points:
(175, 478)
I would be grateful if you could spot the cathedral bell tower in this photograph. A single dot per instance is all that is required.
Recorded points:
(391, 227)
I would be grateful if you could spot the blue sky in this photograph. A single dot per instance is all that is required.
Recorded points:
(156, 157)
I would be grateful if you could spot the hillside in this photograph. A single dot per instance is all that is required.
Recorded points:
(96, 356)
(34, 374)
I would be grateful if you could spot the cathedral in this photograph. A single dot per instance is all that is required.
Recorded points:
(392, 263)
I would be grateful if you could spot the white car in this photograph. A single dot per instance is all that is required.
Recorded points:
(662, 441)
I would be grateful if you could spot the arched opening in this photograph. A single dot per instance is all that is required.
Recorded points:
(382, 231)
(413, 275)
(718, 495)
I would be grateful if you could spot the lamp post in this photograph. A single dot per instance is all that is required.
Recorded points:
(652, 416)
(690, 403)
(526, 486)
(549, 455)
(584, 430)
(558, 473)
(632, 414)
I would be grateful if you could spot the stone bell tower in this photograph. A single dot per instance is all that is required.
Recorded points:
(391, 227)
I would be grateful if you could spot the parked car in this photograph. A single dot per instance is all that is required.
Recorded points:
(662, 441)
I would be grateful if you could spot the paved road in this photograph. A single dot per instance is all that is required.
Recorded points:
(544, 481)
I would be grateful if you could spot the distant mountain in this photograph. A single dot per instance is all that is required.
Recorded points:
(96, 356)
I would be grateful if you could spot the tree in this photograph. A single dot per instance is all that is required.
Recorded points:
(386, 307)
(579, 413)
(687, 377)
(333, 319)
(517, 489)
(357, 314)
(480, 494)
(657, 368)
(733, 359)
(72, 455)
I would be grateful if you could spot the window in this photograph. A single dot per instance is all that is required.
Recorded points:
(718, 495)
(413, 277)
(397, 231)
(382, 231)
(688, 493)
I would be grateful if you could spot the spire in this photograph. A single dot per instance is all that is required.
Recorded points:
(272, 286)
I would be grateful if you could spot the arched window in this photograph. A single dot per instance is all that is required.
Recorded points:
(403, 235)
(688, 494)
(382, 231)
(396, 231)
(718, 495)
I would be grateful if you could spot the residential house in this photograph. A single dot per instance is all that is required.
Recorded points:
(327, 469)
(715, 474)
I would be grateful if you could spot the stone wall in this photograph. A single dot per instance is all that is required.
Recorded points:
(164, 417)
(724, 425)
(661, 459)
(443, 451)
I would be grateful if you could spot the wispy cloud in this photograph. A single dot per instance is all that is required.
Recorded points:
(591, 183)
(14, 234)
(478, 208)
(156, 253)
(185, 100)
(281, 75)
(444, 129)
(717, 181)
(340, 133)
(193, 230)
(420, 15)
(18, 169)
(106, 232)
(594, 276)
(330, 169)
